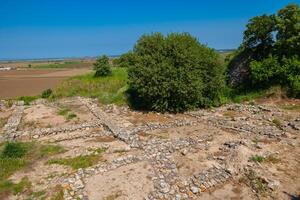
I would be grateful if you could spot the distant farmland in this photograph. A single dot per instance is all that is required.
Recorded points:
(33, 78)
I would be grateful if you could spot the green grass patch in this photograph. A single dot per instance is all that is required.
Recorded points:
(10, 165)
(66, 112)
(250, 94)
(15, 156)
(238, 97)
(267, 159)
(63, 111)
(108, 90)
(61, 65)
(50, 150)
(28, 99)
(79, 161)
(71, 116)
(7, 187)
(257, 158)
(38, 195)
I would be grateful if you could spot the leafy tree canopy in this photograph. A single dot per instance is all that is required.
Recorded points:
(174, 73)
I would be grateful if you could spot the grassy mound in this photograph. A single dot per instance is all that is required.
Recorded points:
(108, 90)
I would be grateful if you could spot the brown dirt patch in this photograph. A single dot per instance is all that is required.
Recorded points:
(32, 82)
(127, 182)
(41, 116)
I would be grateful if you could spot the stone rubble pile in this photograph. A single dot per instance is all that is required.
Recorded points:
(157, 125)
(295, 124)
(258, 122)
(206, 179)
(56, 130)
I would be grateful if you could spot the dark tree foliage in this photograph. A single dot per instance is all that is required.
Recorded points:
(259, 34)
(288, 31)
(174, 73)
(274, 60)
(125, 60)
(102, 66)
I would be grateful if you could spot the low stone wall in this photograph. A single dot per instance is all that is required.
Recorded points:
(111, 124)
(259, 120)
(56, 130)
(13, 122)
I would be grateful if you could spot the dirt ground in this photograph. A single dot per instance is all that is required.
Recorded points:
(16, 83)
(255, 147)
(24, 64)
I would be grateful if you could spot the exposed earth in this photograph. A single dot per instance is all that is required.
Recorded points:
(16, 83)
(237, 151)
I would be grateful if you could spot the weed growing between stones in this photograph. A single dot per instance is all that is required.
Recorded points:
(66, 112)
(277, 123)
(257, 159)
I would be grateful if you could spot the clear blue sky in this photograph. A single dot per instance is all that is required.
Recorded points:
(66, 28)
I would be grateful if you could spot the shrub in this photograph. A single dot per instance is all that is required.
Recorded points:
(174, 73)
(102, 67)
(28, 99)
(292, 75)
(46, 94)
(265, 71)
(273, 71)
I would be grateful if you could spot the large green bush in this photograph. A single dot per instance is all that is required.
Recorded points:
(174, 73)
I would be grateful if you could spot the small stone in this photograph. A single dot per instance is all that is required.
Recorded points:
(72, 193)
(164, 187)
(184, 152)
(35, 137)
(194, 189)
(273, 184)
(78, 184)
(177, 197)
(202, 188)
